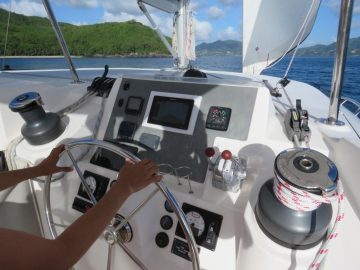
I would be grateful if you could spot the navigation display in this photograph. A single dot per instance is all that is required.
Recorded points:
(171, 112)
(109, 160)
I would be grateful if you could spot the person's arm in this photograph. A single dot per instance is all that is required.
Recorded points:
(46, 167)
(23, 251)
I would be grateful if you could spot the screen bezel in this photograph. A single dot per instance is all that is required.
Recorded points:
(193, 117)
(156, 99)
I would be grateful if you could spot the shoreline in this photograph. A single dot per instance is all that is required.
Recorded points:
(39, 56)
(139, 56)
(78, 57)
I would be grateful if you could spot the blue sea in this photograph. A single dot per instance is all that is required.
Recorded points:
(316, 71)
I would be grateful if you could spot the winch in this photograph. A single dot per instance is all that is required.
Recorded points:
(293, 208)
(40, 127)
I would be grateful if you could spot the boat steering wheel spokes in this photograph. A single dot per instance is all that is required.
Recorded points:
(112, 232)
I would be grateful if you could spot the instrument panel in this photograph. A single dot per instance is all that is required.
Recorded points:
(173, 123)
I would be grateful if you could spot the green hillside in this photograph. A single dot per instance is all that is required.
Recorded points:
(34, 36)
(220, 47)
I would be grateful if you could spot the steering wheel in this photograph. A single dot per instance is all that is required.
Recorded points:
(111, 233)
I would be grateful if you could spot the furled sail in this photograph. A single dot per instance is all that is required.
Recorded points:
(272, 28)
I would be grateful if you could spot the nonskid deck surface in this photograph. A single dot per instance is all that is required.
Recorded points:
(255, 132)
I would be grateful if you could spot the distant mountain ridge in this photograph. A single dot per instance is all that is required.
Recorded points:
(234, 47)
(219, 47)
(329, 50)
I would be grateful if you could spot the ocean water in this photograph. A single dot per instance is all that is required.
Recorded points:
(316, 71)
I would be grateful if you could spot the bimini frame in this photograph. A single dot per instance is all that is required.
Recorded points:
(61, 41)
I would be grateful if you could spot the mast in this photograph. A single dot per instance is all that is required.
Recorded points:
(181, 32)
(340, 60)
(182, 49)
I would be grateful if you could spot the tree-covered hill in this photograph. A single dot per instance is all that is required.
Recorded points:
(34, 36)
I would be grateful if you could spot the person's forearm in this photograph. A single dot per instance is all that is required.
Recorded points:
(76, 240)
(69, 247)
(11, 178)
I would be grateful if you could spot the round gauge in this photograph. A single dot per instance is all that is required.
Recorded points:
(168, 207)
(166, 222)
(196, 222)
(91, 182)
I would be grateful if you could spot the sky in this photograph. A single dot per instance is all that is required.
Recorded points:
(215, 19)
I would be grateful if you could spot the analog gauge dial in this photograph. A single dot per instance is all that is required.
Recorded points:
(91, 182)
(196, 222)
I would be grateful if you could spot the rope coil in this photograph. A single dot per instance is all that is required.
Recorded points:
(301, 200)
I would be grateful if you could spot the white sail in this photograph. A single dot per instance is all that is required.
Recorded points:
(272, 28)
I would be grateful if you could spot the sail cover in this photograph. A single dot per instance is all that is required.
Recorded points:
(272, 28)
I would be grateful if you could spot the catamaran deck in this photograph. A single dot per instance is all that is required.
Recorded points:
(256, 132)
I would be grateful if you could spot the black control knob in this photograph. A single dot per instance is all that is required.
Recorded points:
(166, 222)
(168, 207)
(162, 239)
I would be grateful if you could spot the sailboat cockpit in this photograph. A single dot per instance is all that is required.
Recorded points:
(259, 172)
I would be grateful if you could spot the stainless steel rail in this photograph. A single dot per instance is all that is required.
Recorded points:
(61, 41)
(340, 60)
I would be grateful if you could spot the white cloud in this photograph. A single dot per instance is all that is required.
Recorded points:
(230, 2)
(81, 3)
(335, 6)
(121, 11)
(26, 7)
(229, 33)
(203, 30)
(215, 13)
(122, 17)
(116, 7)
(164, 23)
(79, 23)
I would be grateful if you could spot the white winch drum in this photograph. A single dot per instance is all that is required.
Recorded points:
(307, 171)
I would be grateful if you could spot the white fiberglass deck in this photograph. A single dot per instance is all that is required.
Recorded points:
(241, 243)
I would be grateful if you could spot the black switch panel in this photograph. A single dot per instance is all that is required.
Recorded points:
(100, 188)
(81, 205)
(205, 225)
(181, 249)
